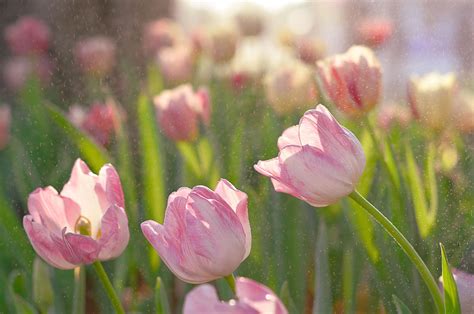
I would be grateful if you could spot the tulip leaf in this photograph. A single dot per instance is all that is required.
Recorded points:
(322, 302)
(43, 294)
(285, 297)
(425, 217)
(94, 155)
(208, 162)
(161, 298)
(451, 298)
(190, 157)
(16, 290)
(400, 307)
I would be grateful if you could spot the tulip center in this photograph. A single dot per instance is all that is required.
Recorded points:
(83, 226)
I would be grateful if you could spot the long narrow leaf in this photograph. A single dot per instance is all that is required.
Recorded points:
(451, 298)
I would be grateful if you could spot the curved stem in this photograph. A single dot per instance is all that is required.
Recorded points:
(405, 245)
(231, 281)
(109, 289)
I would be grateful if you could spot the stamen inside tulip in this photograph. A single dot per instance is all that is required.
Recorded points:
(83, 226)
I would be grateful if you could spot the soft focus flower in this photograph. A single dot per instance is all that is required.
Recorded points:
(221, 42)
(309, 50)
(176, 63)
(18, 70)
(159, 34)
(319, 161)
(374, 32)
(393, 114)
(100, 120)
(84, 223)
(465, 284)
(252, 297)
(432, 97)
(96, 55)
(27, 35)
(290, 88)
(205, 235)
(179, 111)
(352, 81)
(250, 20)
(463, 112)
(5, 120)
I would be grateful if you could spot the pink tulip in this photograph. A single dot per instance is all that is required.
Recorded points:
(465, 284)
(18, 70)
(5, 120)
(392, 114)
(159, 34)
(309, 50)
(319, 162)
(176, 63)
(84, 223)
(28, 35)
(352, 81)
(221, 42)
(179, 111)
(96, 55)
(252, 298)
(374, 32)
(205, 235)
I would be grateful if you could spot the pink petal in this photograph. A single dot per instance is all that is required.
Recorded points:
(114, 233)
(272, 168)
(289, 137)
(259, 297)
(41, 240)
(110, 181)
(79, 249)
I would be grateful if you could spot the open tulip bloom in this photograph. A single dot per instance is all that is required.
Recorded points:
(205, 235)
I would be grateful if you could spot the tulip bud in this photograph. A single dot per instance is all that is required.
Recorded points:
(84, 223)
(464, 283)
(319, 161)
(176, 64)
(252, 297)
(374, 32)
(5, 120)
(392, 114)
(352, 81)
(205, 234)
(463, 112)
(179, 111)
(431, 98)
(309, 50)
(159, 34)
(290, 88)
(221, 42)
(250, 20)
(96, 55)
(28, 36)
(18, 70)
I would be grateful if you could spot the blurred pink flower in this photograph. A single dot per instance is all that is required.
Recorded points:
(221, 42)
(352, 81)
(159, 34)
(309, 50)
(28, 35)
(374, 32)
(463, 112)
(465, 284)
(179, 111)
(176, 64)
(96, 55)
(392, 114)
(5, 120)
(205, 235)
(250, 19)
(18, 70)
(252, 298)
(100, 120)
(84, 223)
(319, 161)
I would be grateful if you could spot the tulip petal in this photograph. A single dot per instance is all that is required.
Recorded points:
(79, 249)
(114, 233)
(259, 296)
(41, 240)
(289, 137)
(110, 182)
(272, 169)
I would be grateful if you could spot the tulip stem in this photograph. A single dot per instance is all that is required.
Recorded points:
(231, 281)
(79, 290)
(405, 245)
(109, 289)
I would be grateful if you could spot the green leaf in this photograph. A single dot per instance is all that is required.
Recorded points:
(285, 297)
(161, 299)
(43, 294)
(451, 298)
(190, 157)
(400, 306)
(322, 302)
(425, 218)
(94, 155)
(210, 171)
(16, 290)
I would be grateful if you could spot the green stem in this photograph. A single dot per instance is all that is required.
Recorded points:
(231, 281)
(79, 290)
(109, 289)
(405, 245)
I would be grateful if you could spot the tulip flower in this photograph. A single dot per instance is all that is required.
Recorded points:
(95, 55)
(374, 32)
(5, 120)
(176, 64)
(463, 113)
(205, 235)
(465, 285)
(179, 111)
(392, 114)
(84, 223)
(309, 50)
(28, 36)
(252, 297)
(250, 20)
(159, 34)
(290, 88)
(319, 161)
(18, 70)
(431, 98)
(221, 42)
(352, 81)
